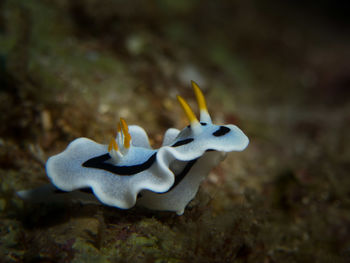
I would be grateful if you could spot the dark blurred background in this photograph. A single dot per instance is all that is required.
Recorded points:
(280, 70)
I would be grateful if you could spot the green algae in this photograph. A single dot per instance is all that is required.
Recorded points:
(85, 252)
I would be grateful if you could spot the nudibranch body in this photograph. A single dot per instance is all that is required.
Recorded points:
(128, 171)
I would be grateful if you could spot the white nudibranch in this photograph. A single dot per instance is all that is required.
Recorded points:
(128, 171)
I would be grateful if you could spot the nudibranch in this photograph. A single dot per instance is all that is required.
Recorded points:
(128, 171)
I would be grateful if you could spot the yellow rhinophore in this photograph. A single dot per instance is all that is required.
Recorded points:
(200, 97)
(188, 111)
(195, 125)
(204, 114)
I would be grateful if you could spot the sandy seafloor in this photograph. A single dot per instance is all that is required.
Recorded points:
(281, 72)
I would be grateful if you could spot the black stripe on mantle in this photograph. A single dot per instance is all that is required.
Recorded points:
(182, 142)
(179, 177)
(99, 162)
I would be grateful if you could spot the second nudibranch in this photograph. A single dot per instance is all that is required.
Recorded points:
(129, 171)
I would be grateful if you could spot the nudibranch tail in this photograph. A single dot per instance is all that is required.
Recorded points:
(204, 115)
(195, 125)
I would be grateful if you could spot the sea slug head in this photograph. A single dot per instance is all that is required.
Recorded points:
(202, 135)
